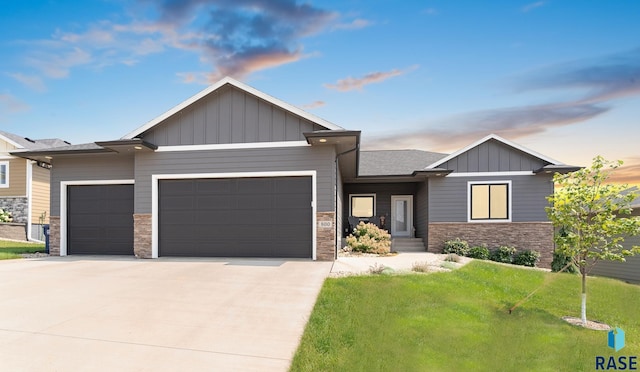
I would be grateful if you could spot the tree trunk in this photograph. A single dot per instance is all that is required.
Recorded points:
(583, 308)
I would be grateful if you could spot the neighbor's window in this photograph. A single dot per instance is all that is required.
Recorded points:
(363, 205)
(489, 201)
(4, 174)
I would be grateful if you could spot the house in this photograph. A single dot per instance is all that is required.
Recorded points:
(24, 187)
(629, 270)
(234, 172)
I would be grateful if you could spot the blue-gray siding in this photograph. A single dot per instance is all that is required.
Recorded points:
(493, 156)
(229, 115)
(628, 271)
(421, 202)
(88, 167)
(448, 197)
(320, 159)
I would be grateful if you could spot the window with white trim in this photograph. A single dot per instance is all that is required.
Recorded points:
(362, 205)
(4, 174)
(490, 201)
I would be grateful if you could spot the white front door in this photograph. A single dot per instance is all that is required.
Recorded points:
(401, 215)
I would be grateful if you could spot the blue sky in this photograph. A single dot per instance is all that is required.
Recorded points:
(560, 77)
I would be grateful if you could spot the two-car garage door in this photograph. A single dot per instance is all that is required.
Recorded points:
(213, 217)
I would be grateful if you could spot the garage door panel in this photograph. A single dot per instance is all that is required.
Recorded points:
(237, 217)
(100, 219)
(177, 202)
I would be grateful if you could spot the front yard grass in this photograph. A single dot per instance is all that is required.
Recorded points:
(459, 321)
(10, 249)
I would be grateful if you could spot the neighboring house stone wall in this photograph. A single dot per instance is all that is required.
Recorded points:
(18, 206)
(536, 236)
(15, 231)
(54, 235)
(142, 235)
(325, 237)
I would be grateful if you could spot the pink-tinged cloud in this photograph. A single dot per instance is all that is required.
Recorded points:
(529, 7)
(629, 172)
(313, 105)
(10, 105)
(31, 81)
(351, 83)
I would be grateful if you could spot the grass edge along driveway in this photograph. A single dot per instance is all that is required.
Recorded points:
(459, 321)
(12, 249)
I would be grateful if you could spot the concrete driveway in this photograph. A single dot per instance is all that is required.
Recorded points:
(85, 313)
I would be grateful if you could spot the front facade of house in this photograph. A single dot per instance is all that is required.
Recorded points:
(233, 172)
(24, 188)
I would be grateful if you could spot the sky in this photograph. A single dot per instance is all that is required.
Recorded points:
(559, 77)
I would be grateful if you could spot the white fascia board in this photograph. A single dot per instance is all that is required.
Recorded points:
(491, 174)
(155, 211)
(499, 139)
(63, 204)
(241, 86)
(233, 146)
(17, 145)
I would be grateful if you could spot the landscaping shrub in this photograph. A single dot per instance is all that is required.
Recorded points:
(560, 261)
(377, 268)
(526, 258)
(421, 267)
(452, 257)
(479, 251)
(5, 216)
(503, 254)
(457, 246)
(368, 238)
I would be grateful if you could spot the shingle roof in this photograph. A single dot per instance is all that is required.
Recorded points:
(30, 144)
(395, 162)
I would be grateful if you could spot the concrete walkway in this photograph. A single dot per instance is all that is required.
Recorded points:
(123, 314)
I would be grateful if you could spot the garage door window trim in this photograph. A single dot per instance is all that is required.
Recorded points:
(155, 195)
(63, 204)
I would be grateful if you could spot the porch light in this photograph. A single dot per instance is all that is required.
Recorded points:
(322, 140)
(48, 157)
(137, 147)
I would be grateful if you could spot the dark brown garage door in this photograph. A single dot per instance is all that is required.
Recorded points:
(236, 217)
(100, 219)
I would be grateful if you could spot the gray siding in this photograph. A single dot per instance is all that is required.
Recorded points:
(88, 167)
(229, 115)
(340, 208)
(493, 156)
(421, 201)
(628, 271)
(448, 197)
(383, 193)
(320, 159)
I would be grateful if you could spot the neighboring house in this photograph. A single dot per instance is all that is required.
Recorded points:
(24, 187)
(233, 172)
(629, 270)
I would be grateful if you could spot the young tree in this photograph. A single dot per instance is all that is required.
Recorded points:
(594, 216)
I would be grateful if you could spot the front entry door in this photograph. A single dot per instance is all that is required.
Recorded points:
(401, 215)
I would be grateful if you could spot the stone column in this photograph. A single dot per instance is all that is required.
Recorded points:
(325, 236)
(54, 235)
(142, 230)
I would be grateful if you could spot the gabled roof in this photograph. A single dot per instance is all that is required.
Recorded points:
(499, 139)
(395, 162)
(241, 86)
(23, 143)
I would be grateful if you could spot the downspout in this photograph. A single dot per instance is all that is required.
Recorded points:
(29, 197)
(339, 232)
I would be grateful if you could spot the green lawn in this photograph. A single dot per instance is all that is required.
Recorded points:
(458, 321)
(11, 249)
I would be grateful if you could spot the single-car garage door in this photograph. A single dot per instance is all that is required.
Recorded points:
(236, 217)
(100, 219)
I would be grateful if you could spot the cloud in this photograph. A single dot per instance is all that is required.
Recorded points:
(11, 105)
(595, 81)
(351, 83)
(356, 24)
(31, 81)
(529, 7)
(628, 173)
(314, 104)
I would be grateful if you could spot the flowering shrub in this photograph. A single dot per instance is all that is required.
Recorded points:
(5, 216)
(368, 238)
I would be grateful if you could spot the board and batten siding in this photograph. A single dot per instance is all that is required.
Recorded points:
(229, 115)
(320, 159)
(40, 182)
(88, 168)
(493, 156)
(448, 197)
(17, 178)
